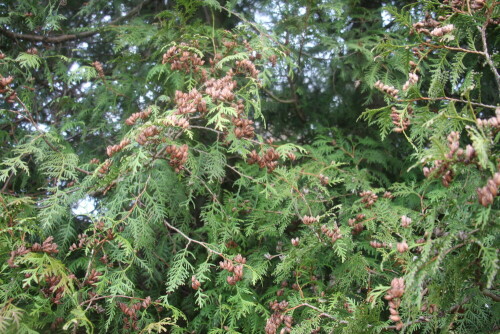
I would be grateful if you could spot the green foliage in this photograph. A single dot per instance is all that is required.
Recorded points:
(181, 168)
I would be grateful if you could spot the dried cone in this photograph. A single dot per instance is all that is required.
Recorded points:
(493, 122)
(291, 156)
(182, 60)
(405, 221)
(477, 4)
(243, 126)
(325, 180)
(400, 124)
(240, 259)
(394, 297)
(438, 32)
(390, 90)
(195, 284)
(308, 220)
(144, 136)
(376, 244)
(487, 193)
(226, 265)
(334, 234)
(388, 195)
(138, 115)
(402, 247)
(105, 167)
(221, 90)
(368, 197)
(6, 81)
(11, 95)
(98, 66)
(253, 158)
(412, 79)
(190, 102)
(278, 318)
(111, 150)
(273, 60)
(178, 156)
(269, 160)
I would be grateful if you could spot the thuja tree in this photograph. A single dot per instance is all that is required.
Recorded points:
(200, 220)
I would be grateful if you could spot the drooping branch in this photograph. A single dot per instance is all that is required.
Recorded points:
(190, 240)
(69, 37)
(482, 31)
(29, 117)
(321, 312)
(280, 100)
(491, 295)
(434, 46)
(440, 98)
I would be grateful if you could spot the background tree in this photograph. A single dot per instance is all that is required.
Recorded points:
(204, 166)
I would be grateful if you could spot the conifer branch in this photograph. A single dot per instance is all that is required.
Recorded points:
(96, 297)
(491, 295)
(277, 99)
(137, 199)
(482, 31)
(253, 26)
(191, 240)
(453, 48)
(321, 312)
(69, 37)
(29, 117)
(476, 104)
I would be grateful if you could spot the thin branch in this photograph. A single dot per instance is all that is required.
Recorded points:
(136, 200)
(6, 184)
(89, 265)
(205, 128)
(442, 255)
(423, 98)
(491, 295)
(83, 171)
(214, 196)
(201, 243)
(322, 313)
(91, 300)
(274, 97)
(434, 46)
(485, 47)
(452, 310)
(69, 37)
(303, 37)
(270, 257)
(279, 177)
(293, 89)
(254, 27)
(421, 319)
(42, 133)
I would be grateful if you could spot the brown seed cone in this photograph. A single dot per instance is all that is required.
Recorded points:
(395, 318)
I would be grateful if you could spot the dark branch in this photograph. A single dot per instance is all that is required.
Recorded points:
(491, 295)
(280, 100)
(68, 37)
